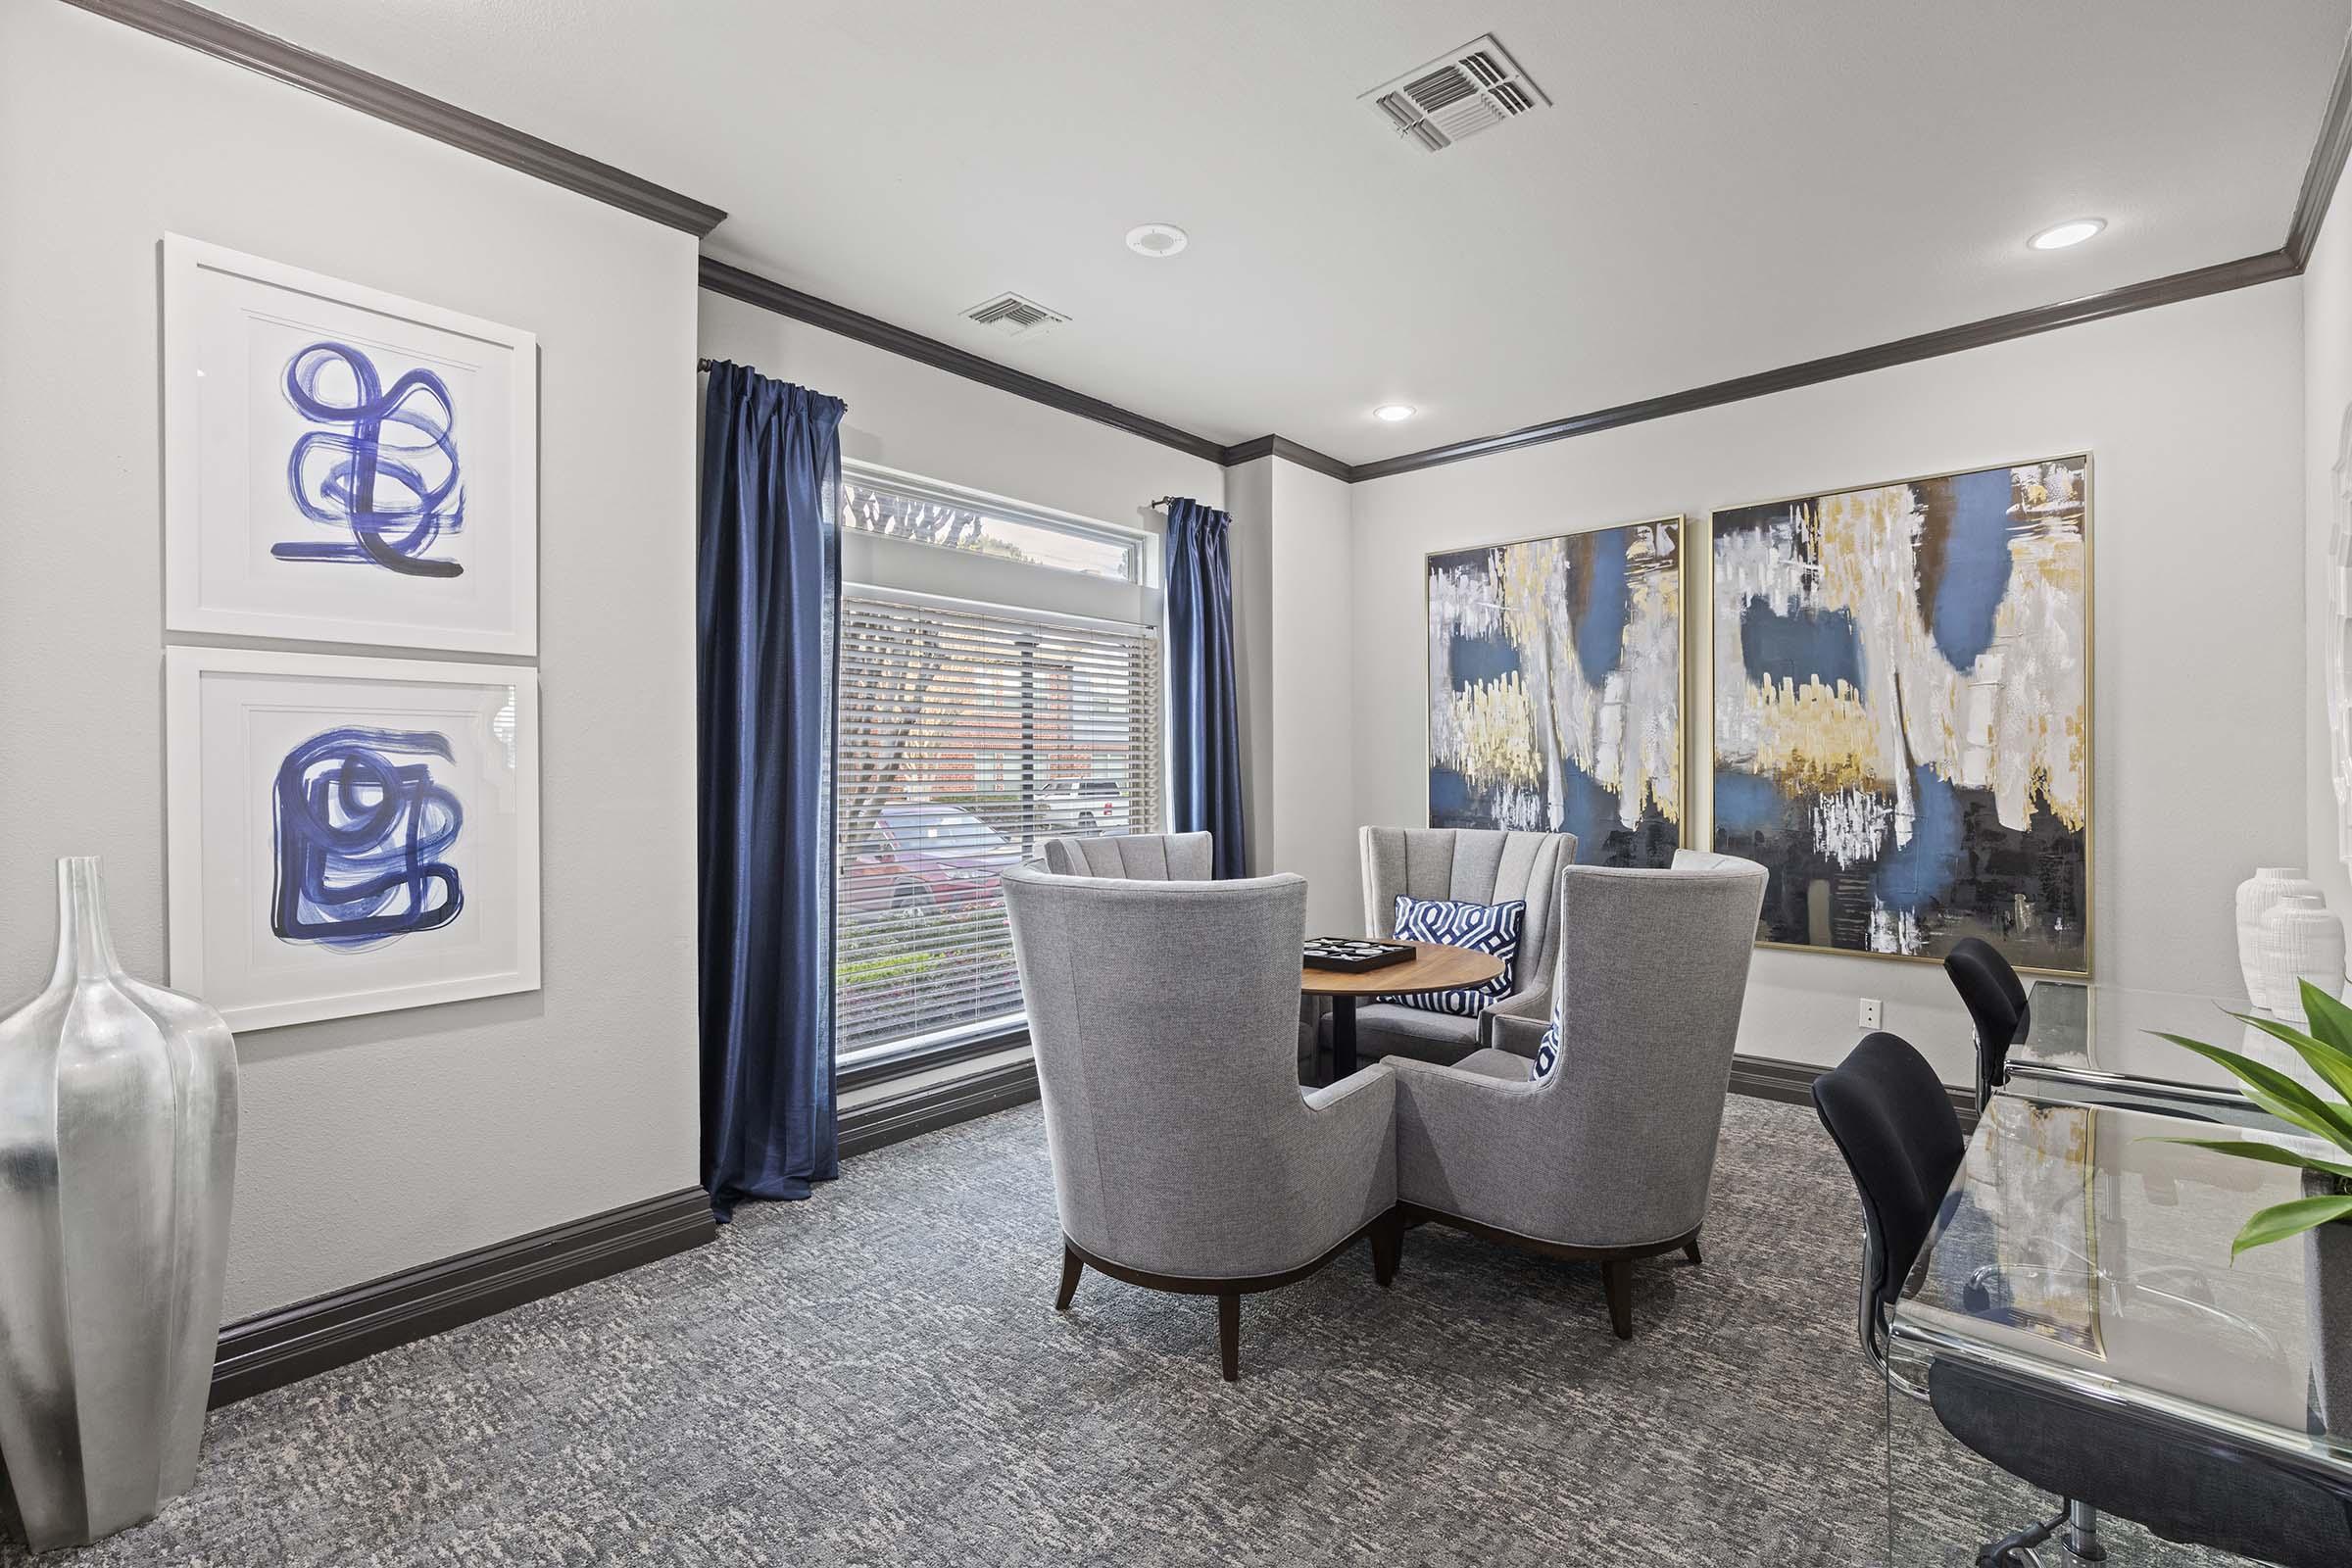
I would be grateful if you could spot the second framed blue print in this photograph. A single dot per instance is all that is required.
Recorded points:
(350, 835)
(341, 465)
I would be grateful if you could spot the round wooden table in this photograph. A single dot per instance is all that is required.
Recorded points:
(1434, 966)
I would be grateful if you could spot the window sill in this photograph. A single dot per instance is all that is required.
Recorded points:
(882, 1069)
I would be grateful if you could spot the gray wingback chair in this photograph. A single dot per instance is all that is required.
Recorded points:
(1476, 865)
(1134, 856)
(1186, 1156)
(1607, 1159)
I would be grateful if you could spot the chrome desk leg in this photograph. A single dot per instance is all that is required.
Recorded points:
(2082, 1538)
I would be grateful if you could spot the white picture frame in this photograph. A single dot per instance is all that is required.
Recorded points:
(413, 783)
(297, 506)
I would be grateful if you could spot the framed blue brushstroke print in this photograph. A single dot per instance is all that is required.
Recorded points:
(350, 835)
(343, 465)
(1902, 735)
(1555, 689)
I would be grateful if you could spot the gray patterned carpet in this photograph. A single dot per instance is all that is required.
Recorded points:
(878, 1377)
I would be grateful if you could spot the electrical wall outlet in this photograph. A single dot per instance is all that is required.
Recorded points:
(1870, 1012)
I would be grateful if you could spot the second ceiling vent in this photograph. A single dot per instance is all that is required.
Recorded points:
(1473, 88)
(1015, 316)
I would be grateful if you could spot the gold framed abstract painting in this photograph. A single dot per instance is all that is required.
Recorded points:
(1902, 727)
(1555, 689)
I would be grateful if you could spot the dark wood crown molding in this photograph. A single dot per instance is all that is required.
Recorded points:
(2267, 268)
(218, 36)
(1290, 451)
(2326, 169)
(735, 282)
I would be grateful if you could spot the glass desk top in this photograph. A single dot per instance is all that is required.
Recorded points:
(2078, 1250)
(2094, 1041)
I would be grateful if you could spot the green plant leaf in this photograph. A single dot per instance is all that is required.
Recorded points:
(2268, 1153)
(2277, 1092)
(2331, 1019)
(2281, 1220)
(2330, 1063)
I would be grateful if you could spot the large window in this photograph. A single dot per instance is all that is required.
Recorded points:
(968, 734)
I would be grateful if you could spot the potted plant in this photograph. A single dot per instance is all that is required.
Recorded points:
(2327, 1050)
(2327, 1201)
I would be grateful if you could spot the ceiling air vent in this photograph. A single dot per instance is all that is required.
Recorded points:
(1011, 316)
(1473, 88)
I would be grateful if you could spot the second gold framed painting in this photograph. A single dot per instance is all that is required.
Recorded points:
(1902, 726)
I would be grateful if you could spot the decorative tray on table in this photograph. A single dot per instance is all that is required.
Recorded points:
(1353, 956)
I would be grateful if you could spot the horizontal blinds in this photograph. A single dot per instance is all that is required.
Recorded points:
(966, 737)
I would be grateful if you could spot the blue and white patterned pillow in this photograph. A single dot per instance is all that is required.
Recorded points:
(1547, 1048)
(1491, 928)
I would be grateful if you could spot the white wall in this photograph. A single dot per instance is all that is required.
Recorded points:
(2327, 403)
(1310, 784)
(2193, 415)
(375, 1144)
(1250, 550)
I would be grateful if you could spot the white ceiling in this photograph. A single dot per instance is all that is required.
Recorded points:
(1720, 187)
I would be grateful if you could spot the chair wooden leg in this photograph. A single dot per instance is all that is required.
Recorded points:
(1690, 1250)
(1617, 1279)
(1071, 1269)
(1388, 1243)
(1229, 1333)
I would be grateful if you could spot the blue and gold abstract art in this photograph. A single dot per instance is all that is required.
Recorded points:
(1902, 712)
(1555, 690)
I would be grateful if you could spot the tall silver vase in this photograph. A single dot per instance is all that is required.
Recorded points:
(118, 1149)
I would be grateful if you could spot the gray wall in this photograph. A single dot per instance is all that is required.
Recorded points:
(371, 1143)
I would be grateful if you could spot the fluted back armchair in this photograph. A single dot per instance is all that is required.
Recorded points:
(1134, 856)
(1472, 865)
(1186, 1156)
(1608, 1155)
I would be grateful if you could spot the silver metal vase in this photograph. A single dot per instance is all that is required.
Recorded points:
(117, 1151)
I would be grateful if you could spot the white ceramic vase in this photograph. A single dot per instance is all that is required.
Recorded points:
(2300, 940)
(2255, 895)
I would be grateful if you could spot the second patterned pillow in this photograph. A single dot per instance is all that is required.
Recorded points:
(1490, 928)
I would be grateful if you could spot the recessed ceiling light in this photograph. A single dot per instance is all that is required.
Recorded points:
(1156, 239)
(2073, 232)
(1394, 412)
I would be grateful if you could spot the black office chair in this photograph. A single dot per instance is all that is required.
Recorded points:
(1995, 1000)
(1887, 1112)
(1891, 1118)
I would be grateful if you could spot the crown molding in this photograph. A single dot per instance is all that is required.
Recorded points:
(2326, 169)
(1290, 451)
(720, 277)
(2267, 267)
(210, 33)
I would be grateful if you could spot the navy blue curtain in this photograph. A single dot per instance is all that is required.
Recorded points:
(769, 593)
(1204, 728)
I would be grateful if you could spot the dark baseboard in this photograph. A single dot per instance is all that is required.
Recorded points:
(296, 1341)
(292, 1342)
(927, 1109)
(1791, 1083)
